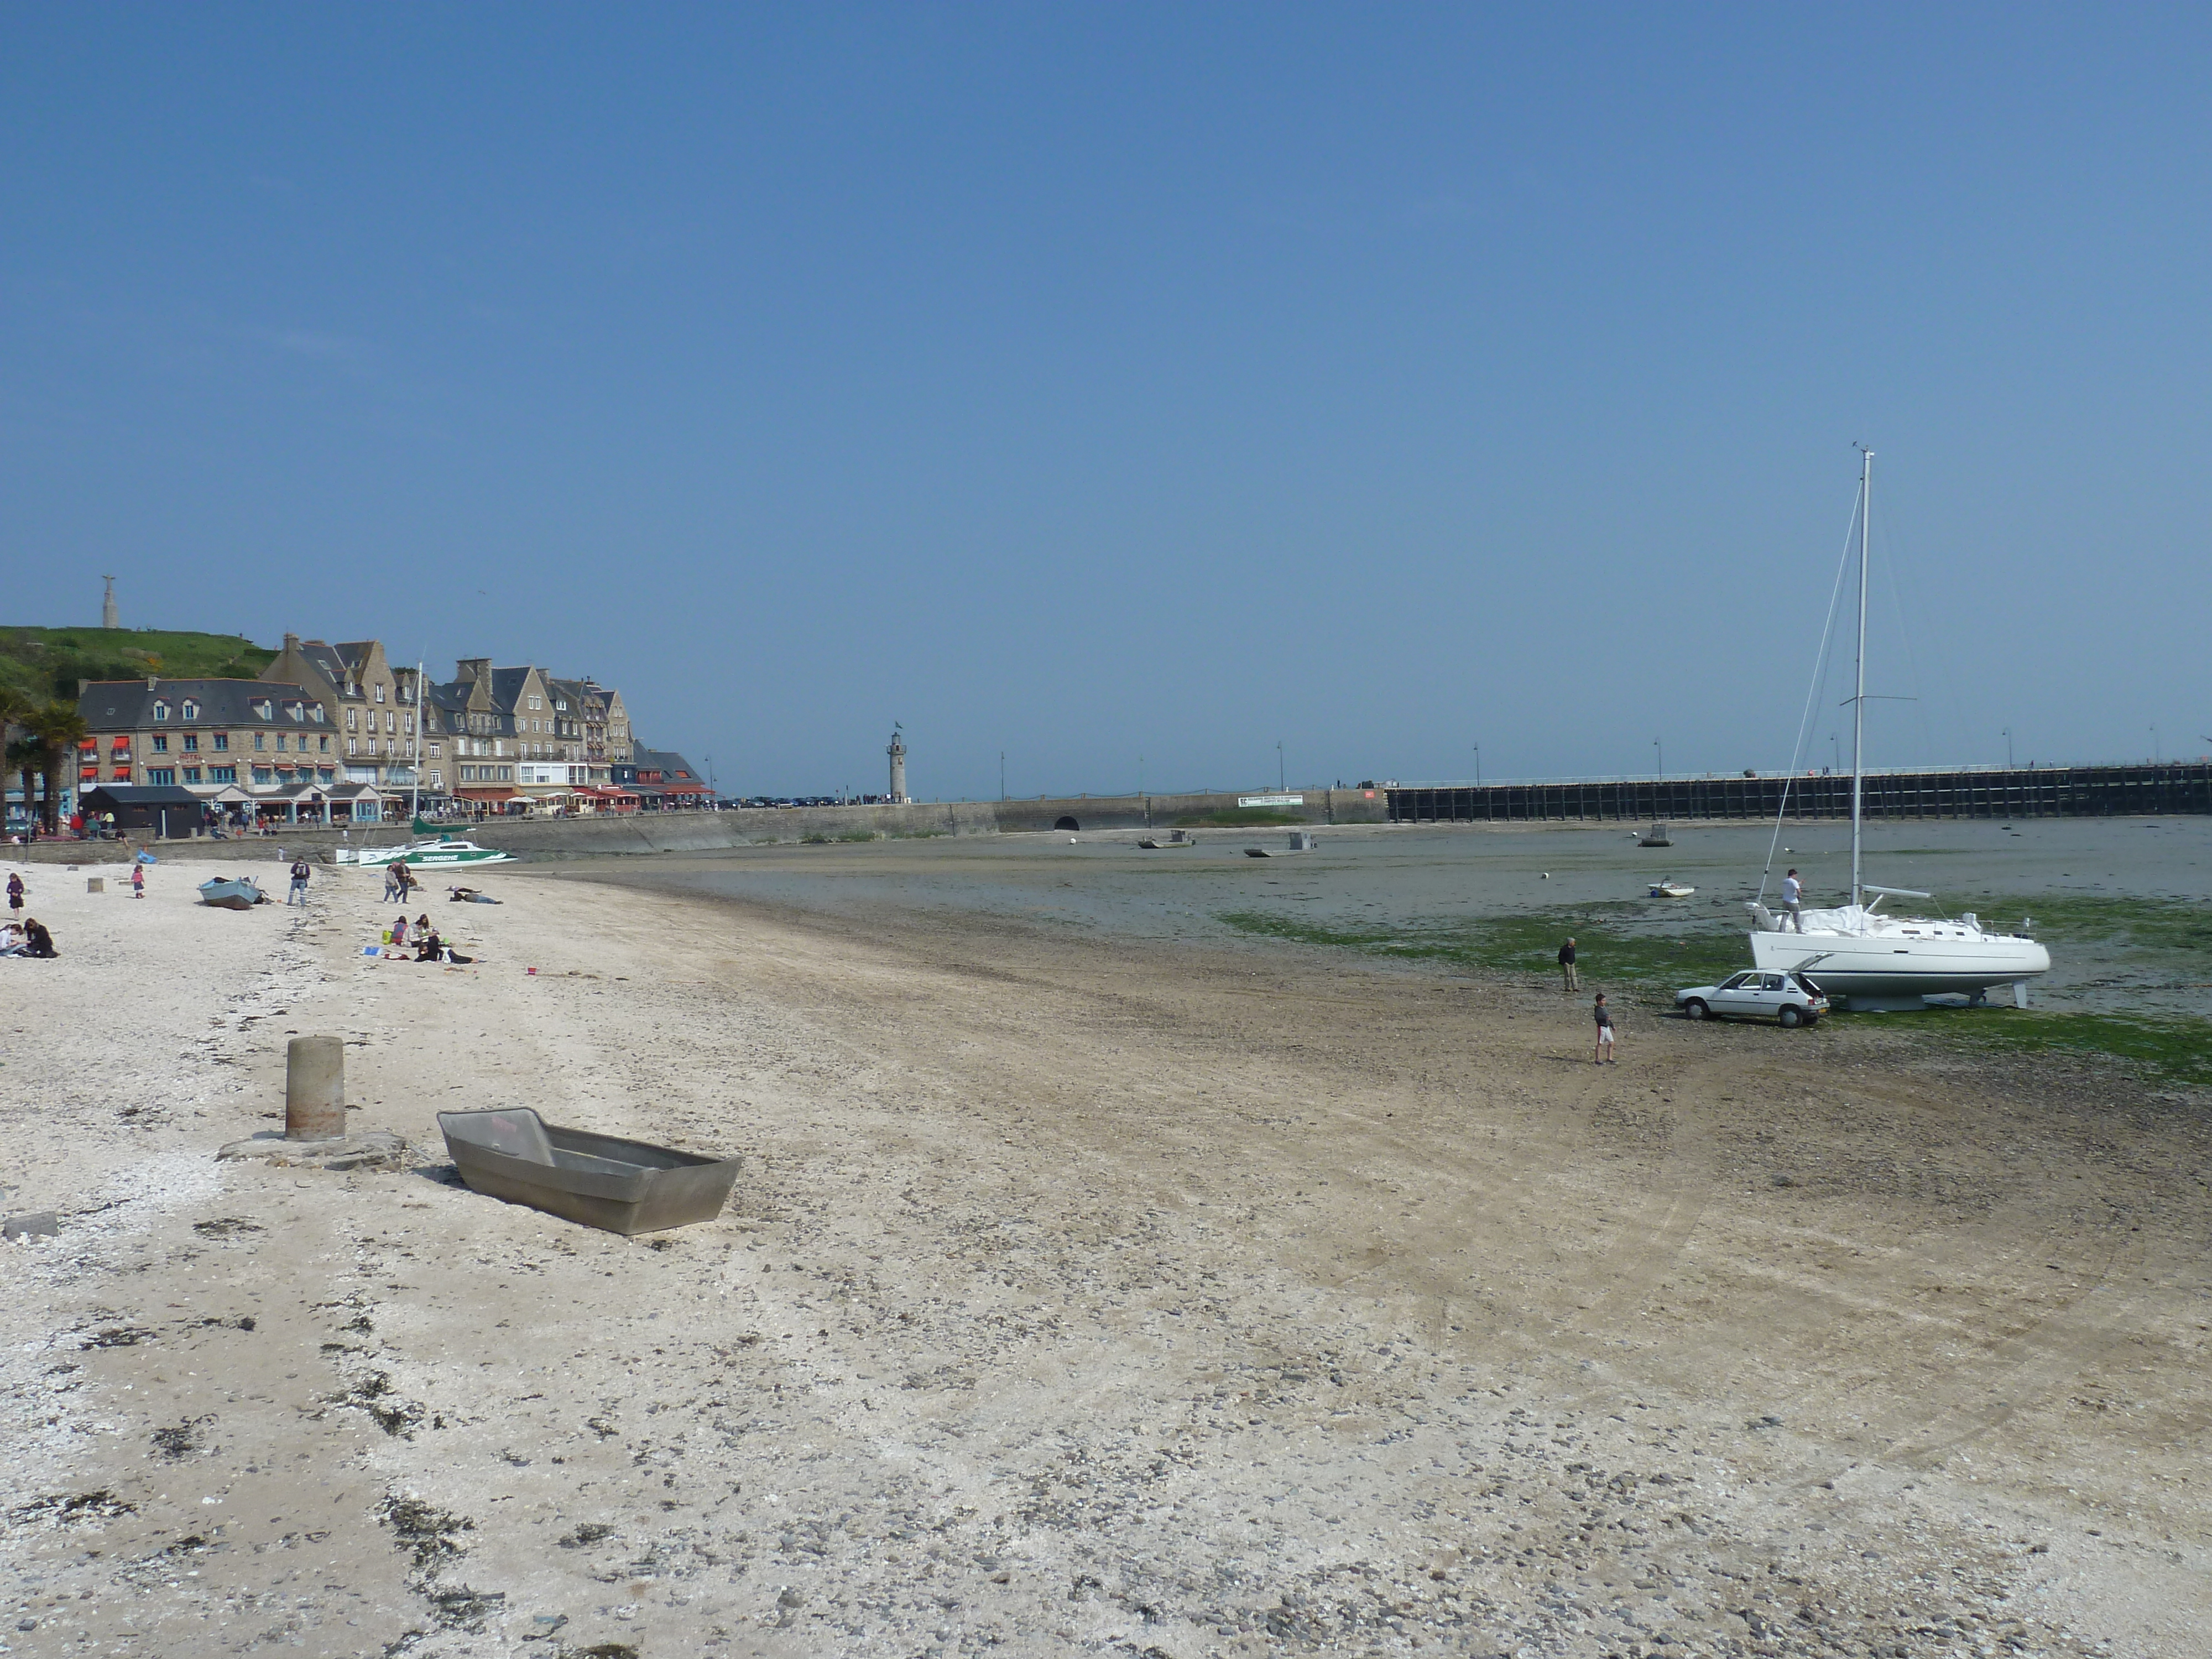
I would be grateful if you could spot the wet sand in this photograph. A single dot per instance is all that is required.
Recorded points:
(1082, 1292)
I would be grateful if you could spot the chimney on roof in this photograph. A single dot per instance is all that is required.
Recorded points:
(472, 668)
(291, 641)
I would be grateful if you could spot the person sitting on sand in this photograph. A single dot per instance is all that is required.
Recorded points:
(399, 930)
(429, 947)
(37, 941)
(11, 938)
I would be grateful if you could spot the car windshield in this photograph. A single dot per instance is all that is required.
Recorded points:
(1734, 981)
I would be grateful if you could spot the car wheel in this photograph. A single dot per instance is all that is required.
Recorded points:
(1792, 1016)
(1695, 1009)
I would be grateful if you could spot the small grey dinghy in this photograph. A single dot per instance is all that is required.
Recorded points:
(239, 894)
(601, 1181)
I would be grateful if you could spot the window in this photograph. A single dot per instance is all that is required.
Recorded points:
(258, 739)
(162, 774)
(263, 709)
(280, 740)
(160, 744)
(160, 710)
(191, 743)
(537, 702)
(324, 745)
(352, 720)
(437, 779)
(221, 741)
(191, 709)
(223, 774)
(353, 745)
(379, 693)
(263, 775)
(192, 774)
(326, 774)
(122, 774)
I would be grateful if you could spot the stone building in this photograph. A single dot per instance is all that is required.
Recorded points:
(257, 748)
(369, 704)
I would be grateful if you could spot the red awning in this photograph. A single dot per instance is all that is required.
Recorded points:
(497, 792)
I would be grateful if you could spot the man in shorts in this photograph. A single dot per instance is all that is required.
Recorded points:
(301, 871)
(1793, 901)
(1567, 966)
(1604, 1054)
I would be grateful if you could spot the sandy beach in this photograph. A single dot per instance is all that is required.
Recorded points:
(1080, 1294)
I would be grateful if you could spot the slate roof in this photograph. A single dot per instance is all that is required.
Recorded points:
(127, 705)
(137, 794)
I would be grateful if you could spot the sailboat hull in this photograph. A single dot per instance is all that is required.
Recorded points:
(1880, 966)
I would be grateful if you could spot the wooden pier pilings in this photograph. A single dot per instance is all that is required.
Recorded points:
(2041, 792)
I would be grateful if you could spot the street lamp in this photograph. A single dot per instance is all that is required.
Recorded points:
(1282, 772)
(1662, 756)
(2153, 744)
(1478, 766)
(1002, 774)
(1835, 755)
(2008, 737)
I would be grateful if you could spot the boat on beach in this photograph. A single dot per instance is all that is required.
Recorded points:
(1671, 889)
(626, 1187)
(239, 893)
(1862, 957)
(443, 850)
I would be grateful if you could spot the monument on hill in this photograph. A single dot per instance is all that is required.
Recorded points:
(897, 752)
(108, 616)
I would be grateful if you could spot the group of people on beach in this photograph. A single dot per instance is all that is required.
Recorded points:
(21, 935)
(429, 947)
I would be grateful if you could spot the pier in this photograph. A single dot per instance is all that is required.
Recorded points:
(2007, 792)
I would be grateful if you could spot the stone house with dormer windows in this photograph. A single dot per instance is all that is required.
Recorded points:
(370, 707)
(258, 748)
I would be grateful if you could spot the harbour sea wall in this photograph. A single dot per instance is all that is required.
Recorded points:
(708, 832)
(2148, 789)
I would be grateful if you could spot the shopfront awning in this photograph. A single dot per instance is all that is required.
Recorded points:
(498, 792)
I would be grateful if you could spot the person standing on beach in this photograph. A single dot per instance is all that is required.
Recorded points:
(138, 880)
(15, 890)
(395, 881)
(1793, 900)
(300, 873)
(1604, 1054)
(1567, 966)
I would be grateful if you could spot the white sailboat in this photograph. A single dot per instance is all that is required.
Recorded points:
(1862, 957)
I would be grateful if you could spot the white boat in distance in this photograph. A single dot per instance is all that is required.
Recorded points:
(1866, 959)
(443, 850)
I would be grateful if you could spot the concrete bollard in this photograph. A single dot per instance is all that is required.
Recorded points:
(314, 1089)
(95, 884)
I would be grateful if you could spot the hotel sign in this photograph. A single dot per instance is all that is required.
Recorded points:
(1270, 800)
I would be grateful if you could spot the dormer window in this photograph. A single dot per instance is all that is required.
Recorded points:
(379, 693)
(263, 709)
(160, 710)
(315, 714)
(191, 709)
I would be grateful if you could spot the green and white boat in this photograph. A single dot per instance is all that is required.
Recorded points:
(439, 850)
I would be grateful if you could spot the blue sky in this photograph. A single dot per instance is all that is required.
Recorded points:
(1161, 381)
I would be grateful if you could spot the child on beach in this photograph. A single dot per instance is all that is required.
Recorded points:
(1604, 1054)
(137, 881)
(15, 890)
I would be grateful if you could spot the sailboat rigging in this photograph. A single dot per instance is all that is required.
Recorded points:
(1863, 957)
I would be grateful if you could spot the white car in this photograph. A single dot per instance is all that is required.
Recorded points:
(1790, 998)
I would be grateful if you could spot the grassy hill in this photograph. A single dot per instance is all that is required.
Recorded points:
(48, 662)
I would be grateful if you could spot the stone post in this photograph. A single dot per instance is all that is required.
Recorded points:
(314, 1089)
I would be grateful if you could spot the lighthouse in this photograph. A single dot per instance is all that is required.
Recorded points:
(897, 752)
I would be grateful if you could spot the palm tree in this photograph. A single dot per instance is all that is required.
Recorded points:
(57, 728)
(21, 748)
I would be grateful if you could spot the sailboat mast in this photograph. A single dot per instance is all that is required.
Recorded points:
(415, 799)
(1859, 691)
